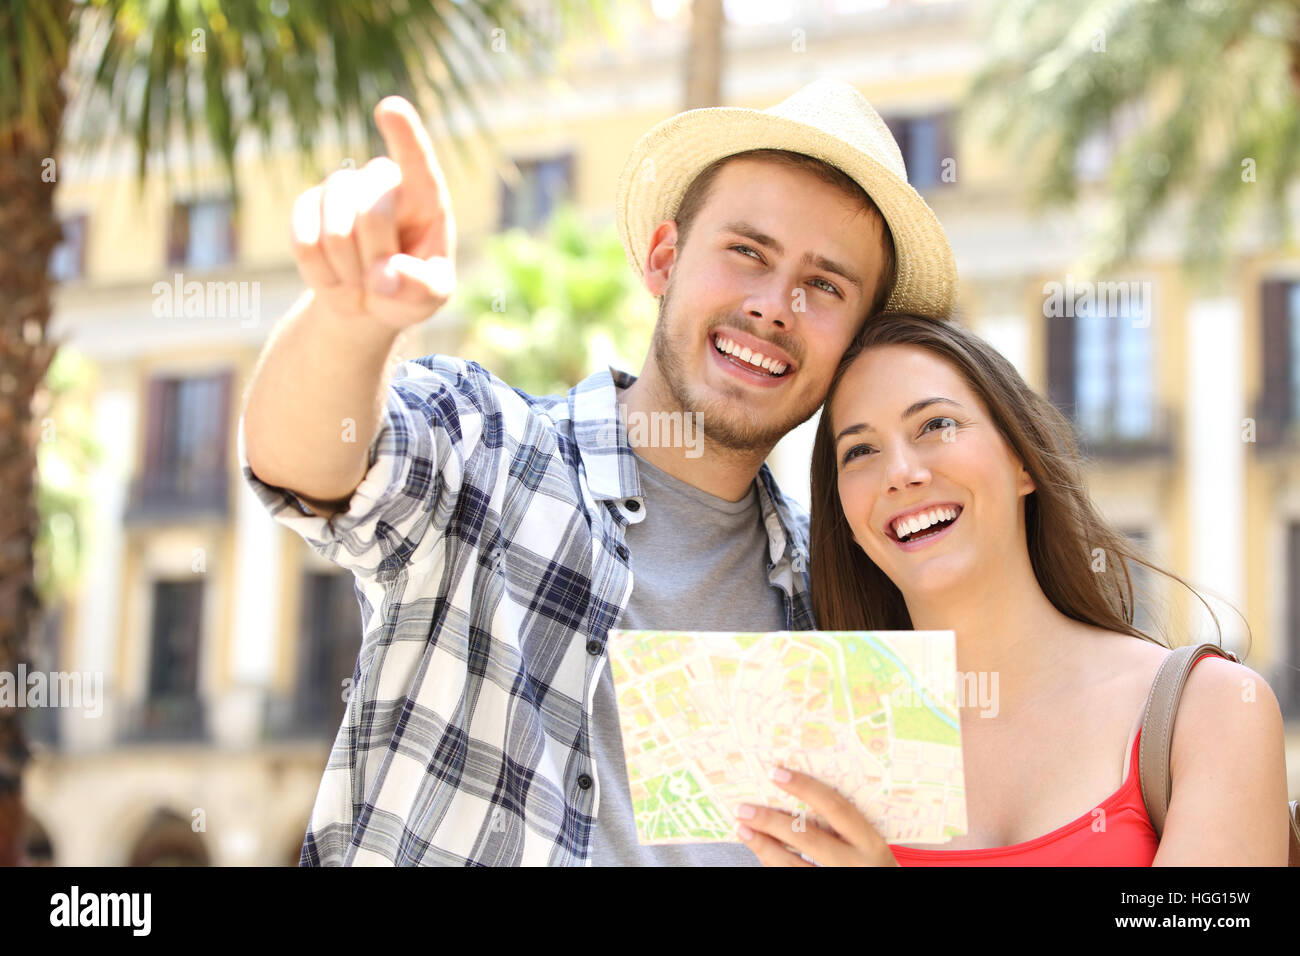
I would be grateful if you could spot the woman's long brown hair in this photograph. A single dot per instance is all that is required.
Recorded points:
(1062, 525)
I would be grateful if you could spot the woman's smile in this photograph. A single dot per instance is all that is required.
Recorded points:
(938, 523)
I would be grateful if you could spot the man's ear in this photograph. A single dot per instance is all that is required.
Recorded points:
(661, 258)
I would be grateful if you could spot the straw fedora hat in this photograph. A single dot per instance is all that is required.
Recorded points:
(828, 120)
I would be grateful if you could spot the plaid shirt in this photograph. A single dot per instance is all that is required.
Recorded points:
(487, 545)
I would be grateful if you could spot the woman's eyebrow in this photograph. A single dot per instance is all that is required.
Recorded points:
(912, 409)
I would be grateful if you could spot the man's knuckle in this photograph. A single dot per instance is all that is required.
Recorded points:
(376, 216)
(336, 236)
(307, 199)
(382, 169)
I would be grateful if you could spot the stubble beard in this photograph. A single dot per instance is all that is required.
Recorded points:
(730, 424)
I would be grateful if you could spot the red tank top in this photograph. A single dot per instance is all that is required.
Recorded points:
(1128, 839)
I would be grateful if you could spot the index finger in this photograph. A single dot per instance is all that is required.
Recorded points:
(408, 145)
(836, 809)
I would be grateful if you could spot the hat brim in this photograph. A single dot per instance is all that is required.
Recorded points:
(669, 157)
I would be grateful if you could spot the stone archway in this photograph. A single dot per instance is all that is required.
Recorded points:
(168, 840)
(37, 848)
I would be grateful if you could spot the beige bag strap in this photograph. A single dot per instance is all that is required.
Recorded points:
(1158, 726)
(1158, 735)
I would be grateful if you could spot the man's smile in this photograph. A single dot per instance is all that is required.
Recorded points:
(750, 359)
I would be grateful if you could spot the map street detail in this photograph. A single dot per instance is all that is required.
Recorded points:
(873, 714)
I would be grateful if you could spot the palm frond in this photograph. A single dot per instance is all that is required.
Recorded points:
(1215, 81)
(314, 67)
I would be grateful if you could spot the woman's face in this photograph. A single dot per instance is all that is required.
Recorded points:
(914, 442)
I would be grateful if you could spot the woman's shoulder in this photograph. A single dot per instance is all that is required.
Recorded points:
(1214, 686)
(1226, 762)
(1228, 702)
(1119, 660)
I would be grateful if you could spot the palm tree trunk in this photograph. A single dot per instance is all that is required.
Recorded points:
(28, 233)
(704, 56)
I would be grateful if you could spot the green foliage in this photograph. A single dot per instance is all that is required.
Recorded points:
(158, 68)
(66, 454)
(544, 312)
(1198, 97)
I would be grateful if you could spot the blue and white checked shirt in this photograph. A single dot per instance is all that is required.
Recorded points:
(487, 544)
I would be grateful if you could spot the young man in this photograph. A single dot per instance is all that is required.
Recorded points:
(495, 537)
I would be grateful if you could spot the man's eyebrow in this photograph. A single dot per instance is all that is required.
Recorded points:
(911, 410)
(819, 261)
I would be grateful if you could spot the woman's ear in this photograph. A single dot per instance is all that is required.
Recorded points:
(1026, 485)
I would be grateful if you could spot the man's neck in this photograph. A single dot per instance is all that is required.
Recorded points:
(723, 472)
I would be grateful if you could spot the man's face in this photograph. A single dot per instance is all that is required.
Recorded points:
(777, 262)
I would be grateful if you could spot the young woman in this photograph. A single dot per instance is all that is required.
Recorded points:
(925, 418)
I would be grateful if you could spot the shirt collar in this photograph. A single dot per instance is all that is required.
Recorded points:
(601, 435)
(610, 464)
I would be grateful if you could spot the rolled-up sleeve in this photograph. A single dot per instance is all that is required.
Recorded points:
(415, 467)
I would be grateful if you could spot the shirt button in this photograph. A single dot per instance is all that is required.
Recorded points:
(621, 551)
(593, 648)
(584, 781)
(632, 504)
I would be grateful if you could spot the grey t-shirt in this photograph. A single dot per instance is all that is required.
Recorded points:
(699, 563)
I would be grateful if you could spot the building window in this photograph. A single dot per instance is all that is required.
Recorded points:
(202, 233)
(330, 642)
(1100, 370)
(174, 650)
(925, 142)
(543, 185)
(185, 447)
(1113, 387)
(171, 709)
(68, 258)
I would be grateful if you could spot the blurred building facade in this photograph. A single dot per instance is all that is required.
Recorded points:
(226, 644)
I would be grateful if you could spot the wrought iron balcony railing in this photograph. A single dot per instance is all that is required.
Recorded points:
(179, 494)
(171, 719)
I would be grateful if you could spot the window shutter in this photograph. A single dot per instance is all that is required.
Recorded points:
(178, 235)
(232, 232)
(223, 426)
(1291, 692)
(898, 126)
(947, 147)
(222, 413)
(1060, 361)
(1275, 338)
(155, 403)
(507, 217)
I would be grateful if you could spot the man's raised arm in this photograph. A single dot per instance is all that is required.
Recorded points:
(376, 248)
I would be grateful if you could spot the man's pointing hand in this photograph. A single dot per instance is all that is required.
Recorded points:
(378, 243)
